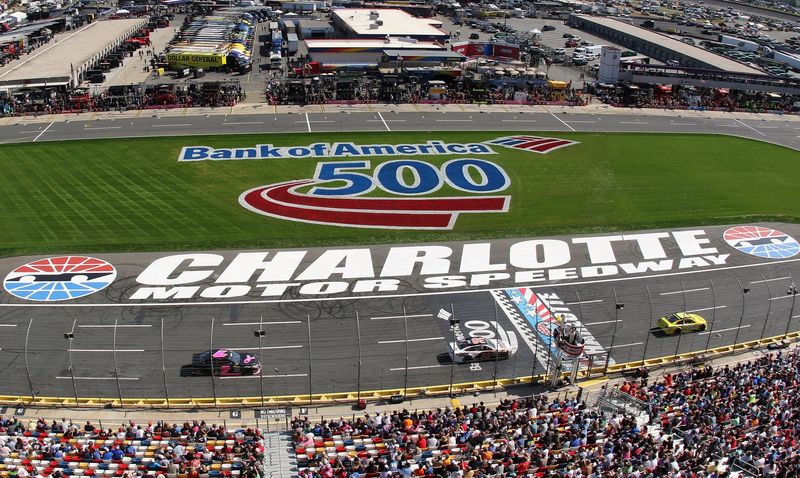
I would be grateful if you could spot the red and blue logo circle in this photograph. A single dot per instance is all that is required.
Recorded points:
(762, 242)
(59, 278)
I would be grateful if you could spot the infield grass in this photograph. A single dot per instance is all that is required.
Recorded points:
(133, 194)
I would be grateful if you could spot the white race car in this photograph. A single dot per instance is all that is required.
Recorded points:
(478, 349)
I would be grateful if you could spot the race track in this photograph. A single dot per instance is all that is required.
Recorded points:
(154, 339)
(149, 330)
(774, 129)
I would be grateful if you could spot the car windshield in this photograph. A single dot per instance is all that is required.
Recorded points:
(235, 357)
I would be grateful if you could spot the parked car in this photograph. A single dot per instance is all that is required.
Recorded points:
(548, 28)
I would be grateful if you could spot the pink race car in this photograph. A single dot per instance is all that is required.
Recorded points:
(225, 363)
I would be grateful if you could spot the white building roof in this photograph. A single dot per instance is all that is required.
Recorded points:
(388, 22)
(351, 45)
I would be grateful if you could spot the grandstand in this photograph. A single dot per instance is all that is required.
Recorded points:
(729, 420)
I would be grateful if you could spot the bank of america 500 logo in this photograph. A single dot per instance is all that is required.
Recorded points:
(762, 242)
(59, 278)
(335, 195)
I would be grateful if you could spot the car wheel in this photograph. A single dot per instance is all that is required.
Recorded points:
(703, 327)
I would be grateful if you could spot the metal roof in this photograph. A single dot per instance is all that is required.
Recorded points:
(704, 56)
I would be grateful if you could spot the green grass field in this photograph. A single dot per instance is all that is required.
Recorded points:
(133, 194)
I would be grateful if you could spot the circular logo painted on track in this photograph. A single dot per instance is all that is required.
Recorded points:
(762, 242)
(544, 328)
(59, 278)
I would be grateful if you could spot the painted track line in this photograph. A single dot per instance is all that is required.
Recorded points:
(177, 125)
(426, 339)
(263, 323)
(592, 301)
(781, 297)
(723, 330)
(628, 345)
(43, 131)
(8, 325)
(108, 350)
(102, 326)
(420, 367)
(97, 378)
(770, 280)
(96, 128)
(400, 316)
(282, 375)
(682, 291)
(384, 121)
(396, 296)
(603, 322)
(562, 121)
(705, 308)
(308, 123)
(749, 127)
(275, 347)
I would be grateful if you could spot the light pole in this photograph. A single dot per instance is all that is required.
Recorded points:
(744, 290)
(310, 381)
(260, 333)
(358, 332)
(617, 307)
(793, 292)
(405, 327)
(27, 367)
(211, 356)
(71, 336)
(116, 369)
(649, 324)
(769, 308)
(163, 363)
(680, 330)
(453, 323)
(713, 315)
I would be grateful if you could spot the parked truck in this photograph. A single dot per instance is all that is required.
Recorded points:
(291, 43)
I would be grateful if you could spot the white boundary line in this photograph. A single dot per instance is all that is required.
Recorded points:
(239, 377)
(400, 316)
(101, 326)
(723, 330)
(276, 347)
(97, 378)
(383, 121)
(426, 339)
(682, 291)
(705, 308)
(577, 302)
(43, 132)
(769, 280)
(263, 323)
(626, 345)
(394, 296)
(749, 127)
(107, 350)
(562, 121)
(308, 122)
(586, 324)
(398, 369)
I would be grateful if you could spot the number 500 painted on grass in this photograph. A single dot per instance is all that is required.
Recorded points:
(340, 205)
(468, 175)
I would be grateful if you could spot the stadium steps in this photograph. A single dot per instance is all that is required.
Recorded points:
(279, 461)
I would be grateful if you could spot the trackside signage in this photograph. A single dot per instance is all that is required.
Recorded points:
(404, 269)
(349, 150)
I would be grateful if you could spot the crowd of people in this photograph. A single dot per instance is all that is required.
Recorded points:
(717, 99)
(706, 423)
(747, 411)
(191, 450)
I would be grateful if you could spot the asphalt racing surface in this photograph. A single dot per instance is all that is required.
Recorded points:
(266, 119)
(315, 331)
(137, 346)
